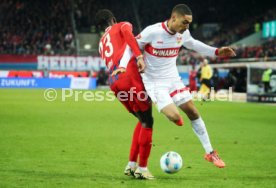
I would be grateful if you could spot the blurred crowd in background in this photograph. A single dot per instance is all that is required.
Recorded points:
(262, 52)
(35, 27)
(50, 27)
(47, 27)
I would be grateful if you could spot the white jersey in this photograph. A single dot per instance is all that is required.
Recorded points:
(161, 79)
(161, 49)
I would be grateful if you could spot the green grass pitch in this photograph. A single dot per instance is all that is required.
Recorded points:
(86, 144)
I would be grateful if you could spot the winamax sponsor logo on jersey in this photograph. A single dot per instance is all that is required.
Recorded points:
(162, 52)
(165, 52)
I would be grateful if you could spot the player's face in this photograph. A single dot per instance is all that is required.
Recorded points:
(181, 23)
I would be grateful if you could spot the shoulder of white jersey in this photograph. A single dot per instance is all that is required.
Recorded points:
(156, 26)
(159, 24)
(153, 28)
(186, 35)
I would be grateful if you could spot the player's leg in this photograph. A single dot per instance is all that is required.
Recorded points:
(183, 99)
(160, 95)
(200, 130)
(141, 144)
(145, 137)
(118, 86)
(142, 137)
(134, 151)
(198, 124)
(145, 144)
(141, 105)
(172, 113)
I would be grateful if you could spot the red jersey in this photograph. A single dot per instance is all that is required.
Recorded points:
(113, 44)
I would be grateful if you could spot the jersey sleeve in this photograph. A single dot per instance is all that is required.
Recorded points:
(126, 30)
(125, 58)
(190, 43)
(144, 38)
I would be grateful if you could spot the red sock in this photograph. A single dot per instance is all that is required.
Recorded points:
(145, 140)
(180, 122)
(134, 150)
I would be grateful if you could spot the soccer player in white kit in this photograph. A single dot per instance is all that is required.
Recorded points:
(161, 43)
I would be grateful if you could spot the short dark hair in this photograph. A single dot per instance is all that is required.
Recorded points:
(182, 9)
(103, 18)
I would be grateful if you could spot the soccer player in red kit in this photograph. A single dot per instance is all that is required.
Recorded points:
(125, 77)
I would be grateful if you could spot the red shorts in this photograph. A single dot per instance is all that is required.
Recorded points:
(129, 89)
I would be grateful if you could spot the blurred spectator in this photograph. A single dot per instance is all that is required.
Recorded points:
(205, 78)
(215, 79)
(102, 78)
(240, 74)
(230, 80)
(192, 79)
(266, 79)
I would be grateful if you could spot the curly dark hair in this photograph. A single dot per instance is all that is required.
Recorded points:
(103, 18)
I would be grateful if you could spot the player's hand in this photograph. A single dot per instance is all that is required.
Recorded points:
(118, 71)
(141, 64)
(226, 52)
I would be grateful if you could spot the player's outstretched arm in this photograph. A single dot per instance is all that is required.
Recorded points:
(205, 49)
(225, 52)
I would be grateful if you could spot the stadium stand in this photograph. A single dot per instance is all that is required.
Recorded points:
(50, 27)
(35, 27)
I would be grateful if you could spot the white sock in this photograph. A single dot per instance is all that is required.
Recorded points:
(143, 169)
(201, 132)
(132, 164)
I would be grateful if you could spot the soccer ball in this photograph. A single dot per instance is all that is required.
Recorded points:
(171, 162)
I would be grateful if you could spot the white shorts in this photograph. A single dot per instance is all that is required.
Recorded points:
(165, 92)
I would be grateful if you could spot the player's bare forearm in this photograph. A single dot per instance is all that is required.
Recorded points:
(118, 71)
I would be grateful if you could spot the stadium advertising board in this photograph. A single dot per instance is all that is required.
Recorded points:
(269, 29)
(42, 62)
(74, 83)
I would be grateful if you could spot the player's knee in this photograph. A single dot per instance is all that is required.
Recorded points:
(148, 122)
